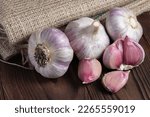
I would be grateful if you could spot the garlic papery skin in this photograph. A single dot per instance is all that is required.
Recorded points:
(89, 70)
(121, 22)
(87, 37)
(50, 52)
(123, 54)
(115, 80)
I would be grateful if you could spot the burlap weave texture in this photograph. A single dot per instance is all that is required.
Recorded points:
(22, 17)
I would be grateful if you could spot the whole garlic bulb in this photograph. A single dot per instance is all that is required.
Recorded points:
(121, 22)
(50, 52)
(87, 37)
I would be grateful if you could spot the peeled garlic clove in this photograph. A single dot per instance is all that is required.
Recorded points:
(113, 55)
(87, 37)
(133, 53)
(89, 70)
(121, 22)
(50, 52)
(115, 80)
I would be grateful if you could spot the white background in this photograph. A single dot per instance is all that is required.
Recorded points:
(7, 108)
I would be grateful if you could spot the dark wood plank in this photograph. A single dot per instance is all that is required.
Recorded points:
(17, 83)
(1, 85)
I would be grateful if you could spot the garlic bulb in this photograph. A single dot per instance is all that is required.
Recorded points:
(123, 54)
(115, 80)
(121, 22)
(87, 37)
(49, 52)
(89, 70)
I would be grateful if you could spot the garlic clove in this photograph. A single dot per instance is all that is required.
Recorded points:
(89, 70)
(115, 80)
(133, 53)
(113, 55)
(123, 54)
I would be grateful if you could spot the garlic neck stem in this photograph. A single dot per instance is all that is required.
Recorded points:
(95, 26)
(132, 22)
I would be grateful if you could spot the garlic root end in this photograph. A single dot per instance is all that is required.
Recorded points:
(125, 67)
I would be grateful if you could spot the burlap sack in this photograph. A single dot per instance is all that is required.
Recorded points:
(20, 18)
(6, 50)
(137, 6)
(23, 21)
(141, 8)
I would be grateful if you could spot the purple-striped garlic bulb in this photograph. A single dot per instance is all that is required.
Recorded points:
(50, 52)
(87, 37)
(122, 22)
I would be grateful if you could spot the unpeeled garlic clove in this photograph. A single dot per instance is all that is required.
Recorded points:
(89, 70)
(133, 53)
(123, 54)
(112, 57)
(115, 80)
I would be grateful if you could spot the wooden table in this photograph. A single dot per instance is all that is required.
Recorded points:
(17, 83)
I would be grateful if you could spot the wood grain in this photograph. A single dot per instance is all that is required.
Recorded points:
(17, 83)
